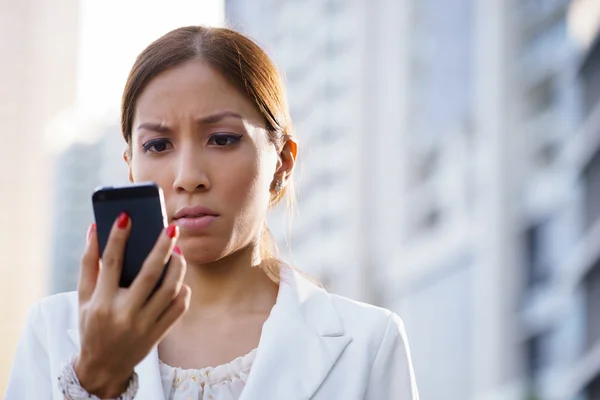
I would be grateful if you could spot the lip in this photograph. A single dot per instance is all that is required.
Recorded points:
(195, 223)
(194, 212)
(195, 218)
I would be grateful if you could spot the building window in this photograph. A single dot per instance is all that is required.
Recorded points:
(590, 78)
(542, 96)
(540, 355)
(593, 390)
(426, 164)
(533, 355)
(431, 220)
(591, 178)
(537, 248)
(592, 305)
(547, 153)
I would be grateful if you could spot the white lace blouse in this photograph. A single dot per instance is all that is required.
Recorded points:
(224, 382)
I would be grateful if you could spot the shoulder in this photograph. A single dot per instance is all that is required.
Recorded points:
(380, 334)
(55, 311)
(366, 323)
(367, 320)
(59, 303)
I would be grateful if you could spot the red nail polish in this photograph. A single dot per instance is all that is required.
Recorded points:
(123, 220)
(177, 250)
(172, 231)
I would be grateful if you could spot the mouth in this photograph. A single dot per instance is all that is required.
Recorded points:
(194, 218)
(194, 212)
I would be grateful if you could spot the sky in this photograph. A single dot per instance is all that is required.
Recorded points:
(113, 32)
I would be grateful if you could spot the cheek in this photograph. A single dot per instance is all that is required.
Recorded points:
(243, 181)
(139, 169)
(247, 182)
(144, 168)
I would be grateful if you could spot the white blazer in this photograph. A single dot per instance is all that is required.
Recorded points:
(314, 345)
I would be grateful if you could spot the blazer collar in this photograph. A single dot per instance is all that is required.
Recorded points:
(300, 342)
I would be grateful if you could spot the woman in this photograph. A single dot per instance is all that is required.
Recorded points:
(204, 115)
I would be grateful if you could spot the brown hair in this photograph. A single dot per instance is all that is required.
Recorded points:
(243, 63)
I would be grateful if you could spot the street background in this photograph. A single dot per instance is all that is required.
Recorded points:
(449, 167)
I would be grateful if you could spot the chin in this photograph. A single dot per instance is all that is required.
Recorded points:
(202, 250)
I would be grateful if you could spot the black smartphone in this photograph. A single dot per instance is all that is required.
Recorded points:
(145, 205)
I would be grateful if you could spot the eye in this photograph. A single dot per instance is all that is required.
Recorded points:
(157, 145)
(224, 139)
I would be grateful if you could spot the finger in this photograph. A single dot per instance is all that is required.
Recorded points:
(153, 267)
(112, 258)
(173, 313)
(168, 291)
(90, 265)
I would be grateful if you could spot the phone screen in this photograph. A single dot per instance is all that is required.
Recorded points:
(143, 204)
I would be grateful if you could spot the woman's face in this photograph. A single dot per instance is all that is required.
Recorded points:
(205, 144)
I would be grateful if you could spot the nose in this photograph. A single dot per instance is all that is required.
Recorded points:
(192, 173)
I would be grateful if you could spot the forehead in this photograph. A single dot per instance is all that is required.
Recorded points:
(193, 89)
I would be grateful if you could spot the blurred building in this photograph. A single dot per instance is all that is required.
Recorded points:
(38, 46)
(80, 168)
(382, 95)
(547, 111)
(76, 177)
(588, 276)
(484, 286)
(581, 272)
(335, 67)
(441, 149)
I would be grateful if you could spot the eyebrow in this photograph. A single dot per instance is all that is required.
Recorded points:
(214, 118)
(159, 128)
(210, 119)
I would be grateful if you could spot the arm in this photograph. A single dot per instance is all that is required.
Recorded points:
(30, 373)
(392, 376)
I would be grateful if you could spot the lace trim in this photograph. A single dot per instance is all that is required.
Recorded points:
(237, 369)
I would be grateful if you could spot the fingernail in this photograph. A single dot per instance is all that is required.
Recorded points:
(89, 232)
(123, 220)
(177, 250)
(172, 231)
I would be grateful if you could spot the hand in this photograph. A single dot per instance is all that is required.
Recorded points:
(119, 326)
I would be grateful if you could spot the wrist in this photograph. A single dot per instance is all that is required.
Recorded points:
(100, 382)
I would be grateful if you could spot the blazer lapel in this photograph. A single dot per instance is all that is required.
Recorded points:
(301, 341)
(150, 382)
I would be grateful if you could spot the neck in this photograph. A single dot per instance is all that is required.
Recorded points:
(234, 284)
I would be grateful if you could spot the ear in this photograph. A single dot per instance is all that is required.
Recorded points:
(127, 158)
(287, 160)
